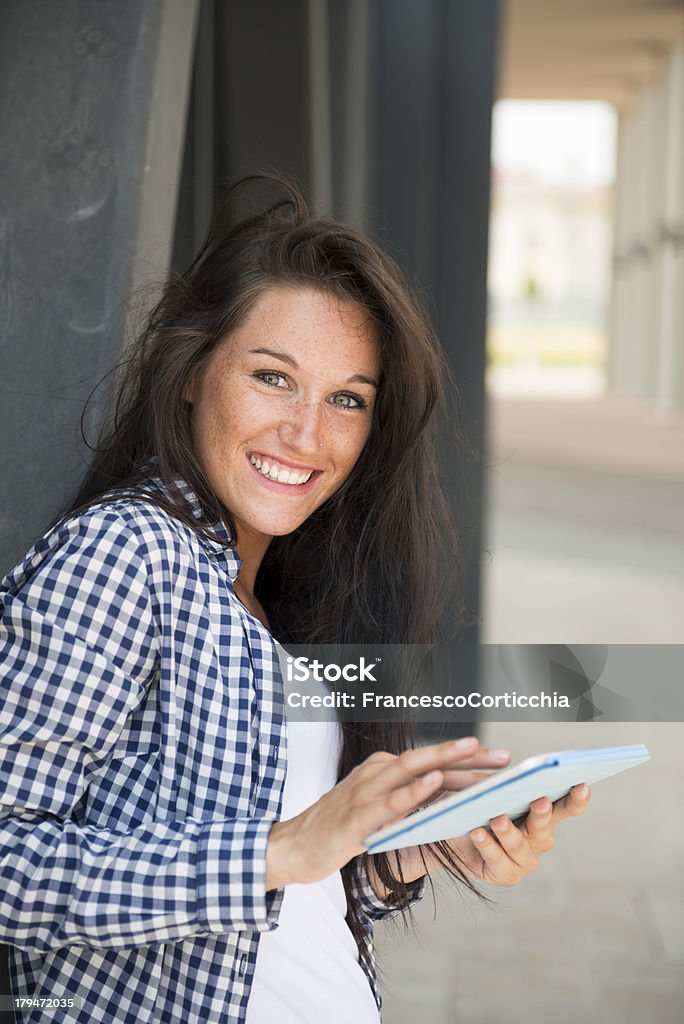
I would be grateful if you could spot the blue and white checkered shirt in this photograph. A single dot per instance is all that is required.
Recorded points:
(142, 764)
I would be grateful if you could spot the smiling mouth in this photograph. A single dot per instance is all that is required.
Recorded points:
(273, 470)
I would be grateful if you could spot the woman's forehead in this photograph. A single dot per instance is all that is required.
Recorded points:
(310, 328)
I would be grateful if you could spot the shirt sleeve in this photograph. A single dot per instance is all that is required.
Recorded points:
(376, 908)
(78, 648)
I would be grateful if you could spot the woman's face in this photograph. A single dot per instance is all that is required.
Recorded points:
(283, 408)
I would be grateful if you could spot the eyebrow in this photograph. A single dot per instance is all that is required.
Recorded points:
(358, 378)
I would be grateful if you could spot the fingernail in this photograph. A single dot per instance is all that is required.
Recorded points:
(466, 742)
(500, 824)
(500, 755)
(583, 791)
(427, 780)
(478, 837)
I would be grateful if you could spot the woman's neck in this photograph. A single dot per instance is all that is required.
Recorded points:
(251, 548)
(251, 603)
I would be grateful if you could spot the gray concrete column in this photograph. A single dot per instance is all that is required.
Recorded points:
(636, 318)
(320, 108)
(91, 118)
(618, 299)
(356, 143)
(631, 257)
(654, 146)
(641, 346)
(166, 125)
(670, 370)
(641, 246)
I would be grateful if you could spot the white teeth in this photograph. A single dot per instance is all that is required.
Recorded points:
(283, 476)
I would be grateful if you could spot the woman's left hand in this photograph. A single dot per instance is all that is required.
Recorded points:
(508, 853)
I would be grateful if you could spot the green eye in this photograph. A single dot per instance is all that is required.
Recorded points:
(346, 401)
(272, 378)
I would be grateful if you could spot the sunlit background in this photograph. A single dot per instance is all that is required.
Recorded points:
(585, 527)
(550, 247)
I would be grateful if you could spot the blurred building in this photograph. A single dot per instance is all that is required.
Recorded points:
(550, 248)
(629, 53)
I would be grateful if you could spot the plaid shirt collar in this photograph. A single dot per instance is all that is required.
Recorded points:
(223, 548)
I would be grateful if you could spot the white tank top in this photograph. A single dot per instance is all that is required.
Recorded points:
(307, 969)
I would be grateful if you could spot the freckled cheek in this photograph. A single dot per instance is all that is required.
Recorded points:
(216, 435)
(347, 443)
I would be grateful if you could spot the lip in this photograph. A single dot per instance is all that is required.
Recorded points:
(275, 485)
(282, 462)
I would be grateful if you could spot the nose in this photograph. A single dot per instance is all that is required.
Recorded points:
(302, 430)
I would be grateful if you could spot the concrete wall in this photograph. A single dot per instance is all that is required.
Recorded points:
(88, 172)
(647, 323)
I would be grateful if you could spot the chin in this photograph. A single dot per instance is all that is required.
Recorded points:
(280, 524)
(276, 527)
(282, 529)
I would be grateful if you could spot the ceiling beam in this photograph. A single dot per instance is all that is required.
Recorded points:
(584, 49)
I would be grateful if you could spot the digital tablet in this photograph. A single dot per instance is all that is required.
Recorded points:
(509, 791)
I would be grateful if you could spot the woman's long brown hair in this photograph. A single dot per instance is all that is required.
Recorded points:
(365, 568)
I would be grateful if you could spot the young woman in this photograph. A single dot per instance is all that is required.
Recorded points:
(172, 849)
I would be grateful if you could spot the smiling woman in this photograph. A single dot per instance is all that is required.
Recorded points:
(277, 429)
(169, 844)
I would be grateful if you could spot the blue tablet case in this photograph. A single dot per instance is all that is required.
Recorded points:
(510, 791)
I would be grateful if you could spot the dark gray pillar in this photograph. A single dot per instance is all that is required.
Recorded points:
(78, 83)
(92, 102)
(250, 106)
(72, 117)
(382, 110)
(432, 95)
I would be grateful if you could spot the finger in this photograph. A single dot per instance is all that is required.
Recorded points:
(493, 855)
(487, 758)
(375, 763)
(396, 805)
(381, 757)
(515, 843)
(412, 763)
(454, 781)
(572, 805)
(538, 825)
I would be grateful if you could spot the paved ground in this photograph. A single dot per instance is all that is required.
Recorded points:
(586, 526)
(586, 542)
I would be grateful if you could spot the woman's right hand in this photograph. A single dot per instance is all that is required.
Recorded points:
(381, 790)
